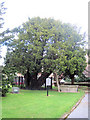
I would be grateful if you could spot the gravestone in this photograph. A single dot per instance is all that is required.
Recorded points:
(15, 90)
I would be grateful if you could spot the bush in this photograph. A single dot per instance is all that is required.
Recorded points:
(67, 79)
(82, 78)
(4, 86)
(78, 79)
(4, 91)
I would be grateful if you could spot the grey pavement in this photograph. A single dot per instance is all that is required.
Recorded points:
(83, 109)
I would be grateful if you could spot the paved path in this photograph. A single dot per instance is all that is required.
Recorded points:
(83, 109)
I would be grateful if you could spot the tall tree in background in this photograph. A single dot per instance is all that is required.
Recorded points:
(76, 61)
(74, 51)
(3, 80)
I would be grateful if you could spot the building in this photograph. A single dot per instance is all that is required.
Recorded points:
(19, 79)
(87, 70)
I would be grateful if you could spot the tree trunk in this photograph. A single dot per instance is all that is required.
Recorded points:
(56, 79)
(42, 79)
(27, 77)
(31, 81)
(72, 79)
(19, 81)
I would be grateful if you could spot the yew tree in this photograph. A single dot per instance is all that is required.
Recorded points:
(33, 48)
(75, 61)
(42, 45)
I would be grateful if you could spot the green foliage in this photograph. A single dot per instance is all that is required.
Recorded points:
(4, 86)
(3, 83)
(48, 44)
(82, 78)
(9, 71)
(7, 77)
(35, 46)
(75, 61)
(67, 79)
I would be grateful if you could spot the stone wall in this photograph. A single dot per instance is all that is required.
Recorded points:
(69, 88)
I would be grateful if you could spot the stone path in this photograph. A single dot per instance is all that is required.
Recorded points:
(83, 109)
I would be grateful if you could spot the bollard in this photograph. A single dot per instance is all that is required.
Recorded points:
(47, 90)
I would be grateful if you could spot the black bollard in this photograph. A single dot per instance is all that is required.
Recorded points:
(47, 90)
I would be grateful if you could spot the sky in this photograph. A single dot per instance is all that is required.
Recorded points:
(67, 11)
(72, 11)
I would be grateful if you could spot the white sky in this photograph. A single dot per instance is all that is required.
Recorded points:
(72, 11)
(68, 11)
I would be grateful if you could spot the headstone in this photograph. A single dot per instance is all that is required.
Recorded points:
(15, 90)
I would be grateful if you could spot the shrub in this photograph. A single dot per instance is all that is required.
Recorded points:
(67, 79)
(4, 86)
(4, 91)
(82, 78)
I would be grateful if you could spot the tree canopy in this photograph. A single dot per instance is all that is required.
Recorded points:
(45, 45)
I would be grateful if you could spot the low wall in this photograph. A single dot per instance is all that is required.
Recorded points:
(69, 88)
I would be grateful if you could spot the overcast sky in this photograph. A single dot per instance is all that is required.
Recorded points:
(72, 11)
(68, 11)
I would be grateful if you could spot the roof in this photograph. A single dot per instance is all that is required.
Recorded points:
(19, 75)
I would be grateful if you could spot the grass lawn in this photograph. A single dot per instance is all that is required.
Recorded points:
(35, 104)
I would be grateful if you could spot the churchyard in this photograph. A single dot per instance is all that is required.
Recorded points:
(36, 103)
(36, 49)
